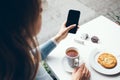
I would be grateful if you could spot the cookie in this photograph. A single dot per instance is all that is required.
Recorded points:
(107, 60)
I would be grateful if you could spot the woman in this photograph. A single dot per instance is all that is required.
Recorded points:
(20, 22)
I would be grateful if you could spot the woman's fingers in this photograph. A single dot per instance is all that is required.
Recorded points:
(78, 26)
(89, 74)
(81, 73)
(70, 27)
(84, 70)
(75, 70)
(81, 68)
(86, 73)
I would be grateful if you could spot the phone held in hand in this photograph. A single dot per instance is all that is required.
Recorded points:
(73, 18)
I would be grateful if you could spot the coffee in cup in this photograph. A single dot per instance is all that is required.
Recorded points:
(72, 53)
(72, 56)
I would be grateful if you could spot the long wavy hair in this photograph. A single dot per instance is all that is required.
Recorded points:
(18, 61)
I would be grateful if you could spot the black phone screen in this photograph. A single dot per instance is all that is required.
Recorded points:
(73, 18)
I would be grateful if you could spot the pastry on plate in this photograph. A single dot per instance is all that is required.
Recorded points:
(107, 60)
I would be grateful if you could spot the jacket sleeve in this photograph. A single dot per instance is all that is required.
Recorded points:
(46, 48)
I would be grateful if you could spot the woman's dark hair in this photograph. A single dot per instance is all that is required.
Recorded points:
(18, 61)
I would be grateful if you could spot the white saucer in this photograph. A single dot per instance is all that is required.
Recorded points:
(95, 65)
(66, 66)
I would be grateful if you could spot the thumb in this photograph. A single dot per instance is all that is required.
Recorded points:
(71, 26)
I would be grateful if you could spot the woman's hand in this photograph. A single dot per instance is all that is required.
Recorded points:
(63, 32)
(81, 73)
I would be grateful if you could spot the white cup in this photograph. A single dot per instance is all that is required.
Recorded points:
(72, 56)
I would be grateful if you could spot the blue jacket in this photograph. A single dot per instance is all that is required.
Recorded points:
(45, 49)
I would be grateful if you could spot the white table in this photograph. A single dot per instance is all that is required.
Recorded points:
(109, 35)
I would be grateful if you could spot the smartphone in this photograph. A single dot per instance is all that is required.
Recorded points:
(73, 18)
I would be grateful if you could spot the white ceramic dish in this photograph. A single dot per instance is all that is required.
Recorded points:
(95, 65)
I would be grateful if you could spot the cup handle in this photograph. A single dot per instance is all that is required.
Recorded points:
(76, 62)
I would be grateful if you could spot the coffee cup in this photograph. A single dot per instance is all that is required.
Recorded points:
(72, 56)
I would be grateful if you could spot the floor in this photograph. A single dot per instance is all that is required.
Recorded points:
(55, 13)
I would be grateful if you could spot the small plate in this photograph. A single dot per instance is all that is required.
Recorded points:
(95, 65)
(66, 66)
